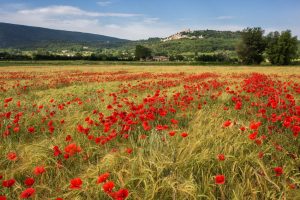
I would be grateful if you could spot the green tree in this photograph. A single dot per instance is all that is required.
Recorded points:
(281, 48)
(142, 52)
(252, 45)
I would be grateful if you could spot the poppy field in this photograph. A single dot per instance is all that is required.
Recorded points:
(149, 133)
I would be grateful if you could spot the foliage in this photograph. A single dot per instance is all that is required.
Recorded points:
(142, 52)
(252, 45)
(281, 47)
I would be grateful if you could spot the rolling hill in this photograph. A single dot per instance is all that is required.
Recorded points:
(28, 37)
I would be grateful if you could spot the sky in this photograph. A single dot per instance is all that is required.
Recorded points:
(141, 19)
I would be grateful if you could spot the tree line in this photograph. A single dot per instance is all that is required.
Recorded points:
(277, 48)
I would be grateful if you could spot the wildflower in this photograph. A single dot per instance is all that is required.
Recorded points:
(221, 157)
(12, 156)
(172, 133)
(2, 197)
(220, 179)
(56, 150)
(72, 149)
(31, 129)
(8, 100)
(29, 182)
(102, 178)
(254, 125)
(184, 134)
(8, 183)
(39, 170)
(76, 183)
(227, 123)
(108, 186)
(122, 194)
(29, 192)
(278, 171)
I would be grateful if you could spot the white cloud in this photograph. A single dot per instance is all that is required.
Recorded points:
(224, 17)
(70, 10)
(104, 3)
(151, 20)
(75, 19)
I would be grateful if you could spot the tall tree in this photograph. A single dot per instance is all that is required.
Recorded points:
(142, 52)
(252, 45)
(281, 48)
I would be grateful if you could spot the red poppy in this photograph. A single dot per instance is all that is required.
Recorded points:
(102, 178)
(184, 134)
(29, 192)
(129, 150)
(68, 138)
(108, 186)
(278, 171)
(254, 125)
(3, 197)
(39, 170)
(227, 123)
(172, 133)
(220, 179)
(29, 182)
(72, 149)
(8, 183)
(12, 156)
(56, 150)
(76, 183)
(31, 129)
(122, 194)
(221, 157)
(253, 136)
(8, 100)
(260, 154)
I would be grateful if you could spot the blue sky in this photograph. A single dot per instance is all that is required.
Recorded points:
(141, 19)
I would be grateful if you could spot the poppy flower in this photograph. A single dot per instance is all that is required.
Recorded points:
(8, 183)
(227, 123)
(72, 149)
(172, 133)
(8, 100)
(108, 186)
(29, 192)
(278, 171)
(220, 179)
(129, 150)
(221, 157)
(3, 197)
(76, 183)
(102, 178)
(39, 170)
(31, 129)
(12, 156)
(122, 194)
(184, 134)
(254, 125)
(29, 182)
(260, 154)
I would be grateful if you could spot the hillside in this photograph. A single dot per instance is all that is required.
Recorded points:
(28, 37)
(190, 42)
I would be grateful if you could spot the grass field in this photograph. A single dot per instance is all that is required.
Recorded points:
(149, 132)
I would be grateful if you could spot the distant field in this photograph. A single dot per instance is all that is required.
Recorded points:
(149, 132)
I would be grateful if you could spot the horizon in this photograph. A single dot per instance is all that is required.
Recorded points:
(137, 20)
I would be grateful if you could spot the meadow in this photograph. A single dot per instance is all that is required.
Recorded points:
(149, 132)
